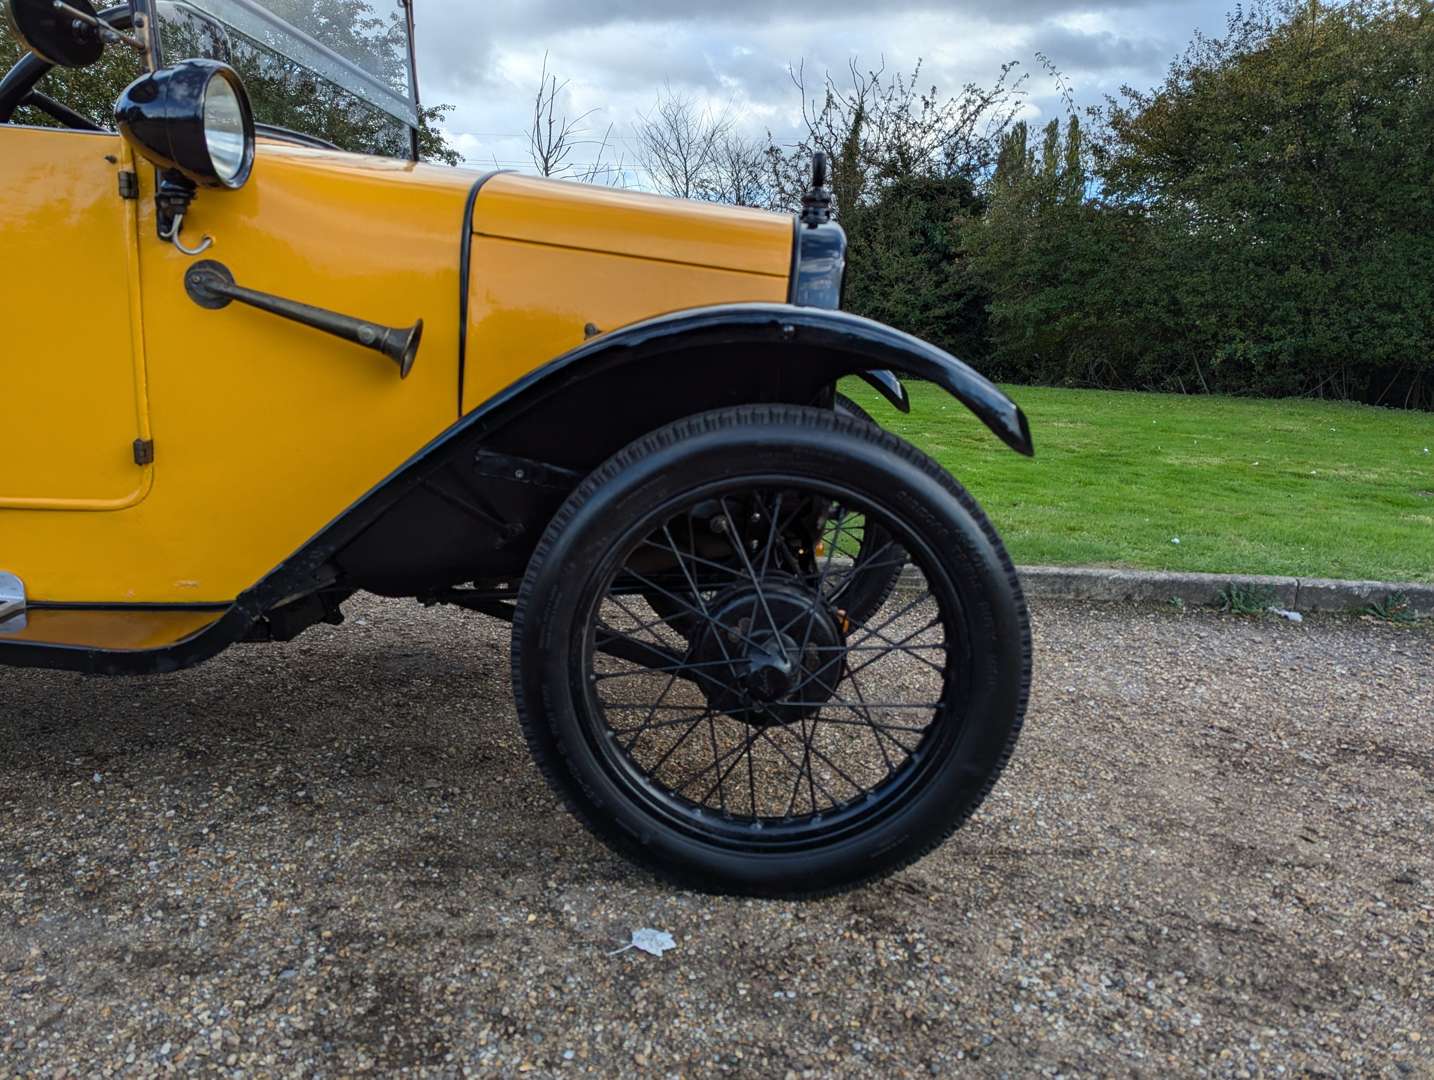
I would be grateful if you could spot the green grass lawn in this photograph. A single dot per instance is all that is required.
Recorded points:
(1301, 488)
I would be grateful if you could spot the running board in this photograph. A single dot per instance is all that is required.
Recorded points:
(101, 629)
(12, 604)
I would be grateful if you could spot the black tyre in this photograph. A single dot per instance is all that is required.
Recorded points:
(776, 746)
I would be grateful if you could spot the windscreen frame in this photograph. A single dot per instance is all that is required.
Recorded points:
(302, 49)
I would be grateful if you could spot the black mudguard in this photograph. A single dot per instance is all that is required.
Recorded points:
(801, 347)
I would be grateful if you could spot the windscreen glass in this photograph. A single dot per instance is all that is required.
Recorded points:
(336, 70)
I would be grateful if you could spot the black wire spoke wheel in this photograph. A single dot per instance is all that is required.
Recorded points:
(690, 681)
(776, 712)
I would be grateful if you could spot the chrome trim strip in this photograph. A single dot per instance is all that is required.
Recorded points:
(12, 603)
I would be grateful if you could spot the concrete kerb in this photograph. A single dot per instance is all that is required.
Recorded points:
(1203, 590)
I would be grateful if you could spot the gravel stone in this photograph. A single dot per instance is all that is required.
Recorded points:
(1210, 855)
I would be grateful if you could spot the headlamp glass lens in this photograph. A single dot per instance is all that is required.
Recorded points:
(224, 128)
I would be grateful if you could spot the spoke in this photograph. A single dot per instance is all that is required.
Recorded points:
(741, 548)
(649, 625)
(676, 721)
(884, 648)
(901, 646)
(805, 768)
(811, 617)
(697, 594)
(913, 729)
(770, 545)
(842, 703)
(684, 604)
(752, 774)
(641, 626)
(862, 565)
(693, 557)
(866, 715)
(736, 756)
(832, 764)
(671, 682)
(721, 795)
(765, 733)
(673, 748)
(643, 669)
(637, 652)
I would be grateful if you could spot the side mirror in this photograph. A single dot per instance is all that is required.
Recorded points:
(66, 34)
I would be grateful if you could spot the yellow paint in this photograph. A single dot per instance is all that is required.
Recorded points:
(71, 374)
(549, 258)
(264, 430)
(133, 629)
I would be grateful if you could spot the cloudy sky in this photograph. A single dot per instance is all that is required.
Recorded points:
(485, 58)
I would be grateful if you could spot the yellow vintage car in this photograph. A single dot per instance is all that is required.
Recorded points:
(759, 644)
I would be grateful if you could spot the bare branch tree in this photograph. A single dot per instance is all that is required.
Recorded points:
(678, 142)
(553, 138)
(878, 128)
(738, 174)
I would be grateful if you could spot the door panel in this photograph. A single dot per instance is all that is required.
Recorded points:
(266, 430)
(70, 382)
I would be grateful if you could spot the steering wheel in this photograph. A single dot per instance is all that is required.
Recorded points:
(17, 88)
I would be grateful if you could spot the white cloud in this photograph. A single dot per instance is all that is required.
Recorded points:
(484, 59)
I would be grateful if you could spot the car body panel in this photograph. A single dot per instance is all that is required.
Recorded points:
(73, 378)
(551, 259)
(114, 629)
(264, 430)
(537, 413)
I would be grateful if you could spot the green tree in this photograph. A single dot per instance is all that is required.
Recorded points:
(1064, 272)
(1285, 171)
(906, 266)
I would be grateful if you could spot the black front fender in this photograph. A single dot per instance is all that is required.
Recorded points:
(799, 349)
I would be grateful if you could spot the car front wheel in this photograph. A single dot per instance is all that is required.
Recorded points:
(770, 742)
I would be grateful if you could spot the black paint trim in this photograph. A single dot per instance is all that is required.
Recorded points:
(54, 605)
(889, 386)
(841, 343)
(289, 135)
(796, 266)
(465, 264)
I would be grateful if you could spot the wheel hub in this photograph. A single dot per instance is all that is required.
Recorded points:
(772, 655)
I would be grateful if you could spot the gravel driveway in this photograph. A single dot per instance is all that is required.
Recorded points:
(1212, 854)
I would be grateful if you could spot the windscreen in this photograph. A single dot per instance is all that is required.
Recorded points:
(337, 70)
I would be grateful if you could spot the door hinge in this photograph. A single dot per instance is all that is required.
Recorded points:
(144, 451)
(128, 184)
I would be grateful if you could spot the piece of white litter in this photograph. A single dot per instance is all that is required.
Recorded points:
(1293, 616)
(653, 942)
(1175, 539)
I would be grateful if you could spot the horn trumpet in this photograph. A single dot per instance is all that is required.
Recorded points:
(211, 285)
